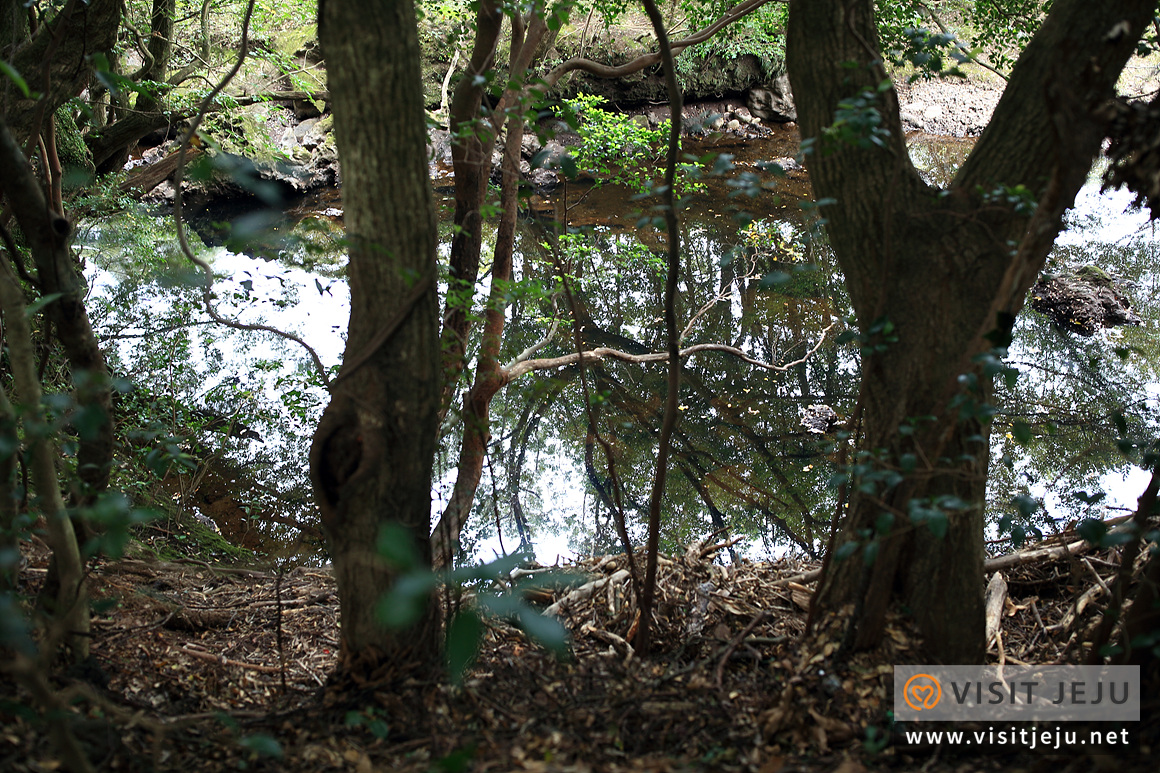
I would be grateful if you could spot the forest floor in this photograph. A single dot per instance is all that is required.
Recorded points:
(205, 668)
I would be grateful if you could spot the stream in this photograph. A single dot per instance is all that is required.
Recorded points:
(742, 457)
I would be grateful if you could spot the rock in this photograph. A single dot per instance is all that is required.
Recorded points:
(773, 101)
(820, 419)
(544, 180)
(641, 121)
(1083, 301)
(439, 146)
(734, 125)
(530, 145)
(305, 108)
(304, 128)
(742, 114)
(789, 165)
(553, 152)
(288, 142)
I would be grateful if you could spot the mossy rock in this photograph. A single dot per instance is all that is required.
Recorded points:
(1094, 275)
(298, 41)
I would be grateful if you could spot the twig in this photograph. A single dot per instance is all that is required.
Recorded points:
(1096, 574)
(224, 661)
(593, 355)
(720, 674)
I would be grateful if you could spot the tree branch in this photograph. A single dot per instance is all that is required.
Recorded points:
(736, 13)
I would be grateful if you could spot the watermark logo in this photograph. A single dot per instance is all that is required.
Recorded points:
(922, 691)
(1039, 693)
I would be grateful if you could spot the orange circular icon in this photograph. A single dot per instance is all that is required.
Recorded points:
(922, 689)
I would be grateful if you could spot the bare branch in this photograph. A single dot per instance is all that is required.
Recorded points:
(600, 353)
(547, 339)
(647, 60)
(724, 294)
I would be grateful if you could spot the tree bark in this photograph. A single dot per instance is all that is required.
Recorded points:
(931, 274)
(54, 62)
(57, 272)
(372, 455)
(69, 604)
(472, 144)
(111, 146)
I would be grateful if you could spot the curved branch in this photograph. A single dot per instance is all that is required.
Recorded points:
(600, 353)
(736, 13)
(547, 339)
(962, 49)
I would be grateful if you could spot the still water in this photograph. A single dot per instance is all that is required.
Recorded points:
(742, 459)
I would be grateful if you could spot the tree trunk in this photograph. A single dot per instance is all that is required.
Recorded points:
(69, 603)
(472, 144)
(490, 375)
(111, 146)
(372, 455)
(935, 283)
(54, 62)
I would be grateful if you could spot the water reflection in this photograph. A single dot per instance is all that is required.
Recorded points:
(742, 460)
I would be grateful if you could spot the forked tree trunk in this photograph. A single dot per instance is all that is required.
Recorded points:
(372, 454)
(946, 269)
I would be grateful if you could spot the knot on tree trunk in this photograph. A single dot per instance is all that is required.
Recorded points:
(335, 456)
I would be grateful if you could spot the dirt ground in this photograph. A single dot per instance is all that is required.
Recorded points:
(207, 668)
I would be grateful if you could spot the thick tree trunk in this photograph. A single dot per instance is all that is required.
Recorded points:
(54, 62)
(372, 455)
(931, 274)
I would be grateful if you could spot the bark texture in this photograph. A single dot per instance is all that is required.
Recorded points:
(57, 273)
(945, 269)
(372, 455)
(54, 61)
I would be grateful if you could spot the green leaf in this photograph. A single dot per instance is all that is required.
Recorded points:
(1021, 431)
(845, 551)
(15, 77)
(544, 630)
(489, 571)
(1092, 530)
(569, 168)
(457, 761)
(40, 303)
(937, 523)
(405, 603)
(1026, 505)
(463, 636)
(262, 745)
(883, 523)
(397, 547)
(773, 279)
